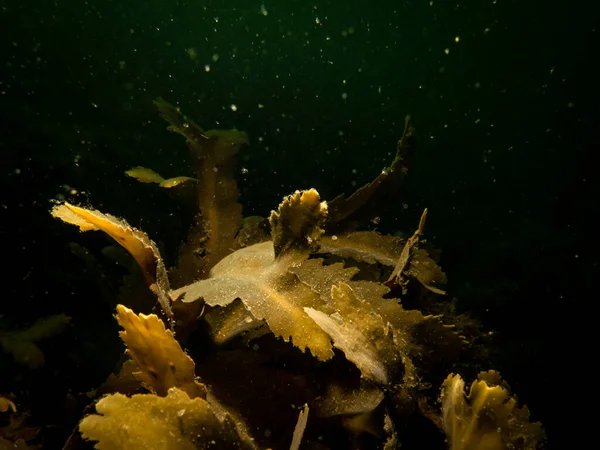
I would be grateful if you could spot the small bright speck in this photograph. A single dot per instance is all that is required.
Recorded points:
(457, 39)
(447, 51)
(344, 96)
(207, 68)
(215, 57)
(233, 107)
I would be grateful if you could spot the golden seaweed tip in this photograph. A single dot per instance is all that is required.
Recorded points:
(297, 223)
(67, 213)
(488, 417)
(163, 363)
(6, 404)
(144, 175)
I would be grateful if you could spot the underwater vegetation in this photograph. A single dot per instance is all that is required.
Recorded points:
(287, 331)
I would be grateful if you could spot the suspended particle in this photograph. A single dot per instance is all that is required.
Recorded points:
(192, 53)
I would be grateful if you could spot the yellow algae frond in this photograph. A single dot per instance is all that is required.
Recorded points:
(296, 225)
(488, 418)
(144, 175)
(136, 242)
(269, 291)
(264, 280)
(162, 362)
(175, 181)
(6, 404)
(406, 251)
(363, 336)
(147, 421)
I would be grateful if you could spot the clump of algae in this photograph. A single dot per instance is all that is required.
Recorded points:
(297, 323)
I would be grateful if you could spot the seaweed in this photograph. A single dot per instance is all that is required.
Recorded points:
(22, 343)
(343, 208)
(137, 243)
(217, 223)
(145, 175)
(488, 417)
(271, 319)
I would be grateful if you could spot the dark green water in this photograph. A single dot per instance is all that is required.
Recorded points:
(503, 96)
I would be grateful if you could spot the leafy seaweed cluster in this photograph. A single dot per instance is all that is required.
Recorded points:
(295, 325)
